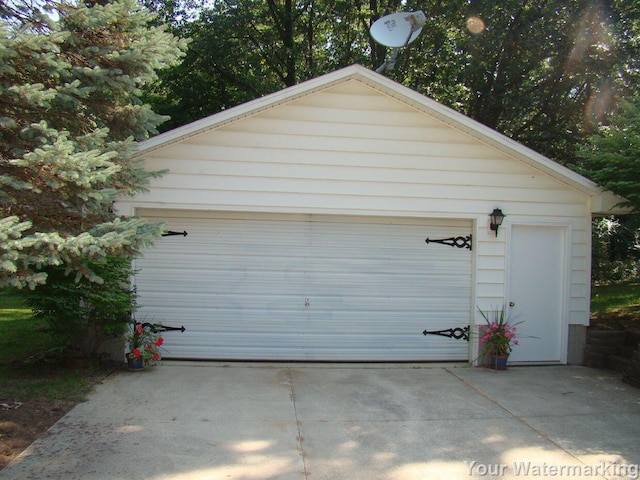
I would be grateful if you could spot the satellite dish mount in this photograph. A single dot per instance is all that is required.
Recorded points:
(396, 31)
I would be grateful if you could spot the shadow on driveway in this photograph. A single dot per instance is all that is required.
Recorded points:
(186, 420)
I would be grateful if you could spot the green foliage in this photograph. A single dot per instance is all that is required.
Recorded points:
(220, 70)
(71, 113)
(537, 67)
(82, 313)
(615, 249)
(612, 158)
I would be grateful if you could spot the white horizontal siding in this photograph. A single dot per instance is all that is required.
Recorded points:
(315, 141)
(438, 172)
(365, 157)
(353, 96)
(304, 112)
(345, 188)
(226, 171)
(275, 127)
(473, 162)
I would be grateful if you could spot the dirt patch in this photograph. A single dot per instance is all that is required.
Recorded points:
(627, 319)
(21, 423)
(26, 418)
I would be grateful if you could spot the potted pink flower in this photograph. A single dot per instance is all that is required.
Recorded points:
(498, 337)
(143, 346)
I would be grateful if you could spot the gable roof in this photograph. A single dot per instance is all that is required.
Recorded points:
(601, 201)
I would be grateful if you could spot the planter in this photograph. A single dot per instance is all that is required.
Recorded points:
(499, 362)
(135, 364)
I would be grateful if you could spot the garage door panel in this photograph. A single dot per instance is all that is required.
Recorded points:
(318, 288)
(241, 320)
(370, 288)
(293, 347)
(382, 304)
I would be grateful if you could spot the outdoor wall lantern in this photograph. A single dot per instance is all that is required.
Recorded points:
(496, 219)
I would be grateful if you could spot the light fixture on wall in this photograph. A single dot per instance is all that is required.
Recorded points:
(496, 219)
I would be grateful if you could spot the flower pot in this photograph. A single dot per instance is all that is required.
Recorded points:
(499, 362)
(136, 363)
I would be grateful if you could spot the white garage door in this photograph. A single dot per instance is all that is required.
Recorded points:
(306, 287)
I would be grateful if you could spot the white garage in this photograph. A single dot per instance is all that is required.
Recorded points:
(306, 214)
(307, 287)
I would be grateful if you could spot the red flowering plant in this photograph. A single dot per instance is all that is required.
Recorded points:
(499, 334)
(143, 341)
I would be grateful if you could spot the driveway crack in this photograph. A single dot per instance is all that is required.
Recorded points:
(520, 419)
(299, 436)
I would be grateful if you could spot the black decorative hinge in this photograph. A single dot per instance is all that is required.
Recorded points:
(458, 333)
(459, 242)
(156, 327)
(172, 233)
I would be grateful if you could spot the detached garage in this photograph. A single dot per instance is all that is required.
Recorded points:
(338, 219)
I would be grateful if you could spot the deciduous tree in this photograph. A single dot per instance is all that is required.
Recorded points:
(612, 158)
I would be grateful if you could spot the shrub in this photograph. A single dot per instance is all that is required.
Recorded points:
(82, 314)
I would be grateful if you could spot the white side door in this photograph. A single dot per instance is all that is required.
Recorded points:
(537, 292)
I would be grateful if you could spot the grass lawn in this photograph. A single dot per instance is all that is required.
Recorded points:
(613, 298)
(20, 334)
(28, 364)
(616, 306)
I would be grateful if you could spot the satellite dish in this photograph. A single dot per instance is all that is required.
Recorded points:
(398, 29)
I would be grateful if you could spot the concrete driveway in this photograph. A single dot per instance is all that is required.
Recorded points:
(297, 421)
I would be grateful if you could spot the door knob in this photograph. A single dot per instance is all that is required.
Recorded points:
(306, 302)
(512, 304)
